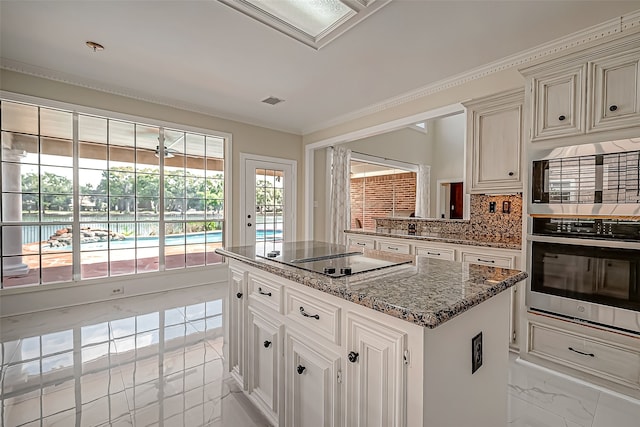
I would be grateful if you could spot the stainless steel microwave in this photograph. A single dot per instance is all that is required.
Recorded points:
(600, 179)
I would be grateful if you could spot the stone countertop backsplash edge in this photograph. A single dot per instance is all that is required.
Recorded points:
(441, 239)
(427, 293)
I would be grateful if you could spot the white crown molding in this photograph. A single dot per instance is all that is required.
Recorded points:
(72, 79)
(629, 23)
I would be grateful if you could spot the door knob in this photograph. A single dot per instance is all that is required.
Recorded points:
(300, 369)
(267, 344)
(239, 295)
(248, 224)
(353, 357)
(613, 108)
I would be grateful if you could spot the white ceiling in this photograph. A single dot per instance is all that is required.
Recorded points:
(205, 56)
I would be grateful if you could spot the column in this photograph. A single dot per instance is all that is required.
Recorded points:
(12, 212)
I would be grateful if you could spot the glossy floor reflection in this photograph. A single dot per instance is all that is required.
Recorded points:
(141, 361)
(156, 360)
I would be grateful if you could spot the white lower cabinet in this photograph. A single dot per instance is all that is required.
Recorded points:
(601, 354)
(434, 251)
(375, 373)
(264, 372)
(396, 246)
(312, 377)
(237, 315)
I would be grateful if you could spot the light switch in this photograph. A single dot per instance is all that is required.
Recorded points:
(492, 207)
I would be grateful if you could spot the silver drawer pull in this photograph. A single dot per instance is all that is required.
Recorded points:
(305, 314)
(392, 248)
(582, 352)
(492, 261)
(434, 253)
(264, 293)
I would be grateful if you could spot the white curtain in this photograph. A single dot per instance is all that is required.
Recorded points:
(340, 196)
(423, 191)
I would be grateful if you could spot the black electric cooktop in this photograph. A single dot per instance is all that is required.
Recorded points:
(328, 259)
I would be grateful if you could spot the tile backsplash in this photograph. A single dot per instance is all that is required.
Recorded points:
(483, 225)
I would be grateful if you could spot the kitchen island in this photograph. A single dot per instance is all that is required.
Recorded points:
(411, 341)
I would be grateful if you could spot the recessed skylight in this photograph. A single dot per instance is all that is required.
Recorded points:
(312, 22)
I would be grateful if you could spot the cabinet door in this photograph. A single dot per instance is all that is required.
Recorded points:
(504, 261)
(557, 104)
(393, 246)
(360, 242)
(615, 98)
(495, 144)
(264, 348)
(375, 374)
(236, 338)
(435, 252)
(311, 384)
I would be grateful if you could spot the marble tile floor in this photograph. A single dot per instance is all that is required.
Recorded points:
(156, 360)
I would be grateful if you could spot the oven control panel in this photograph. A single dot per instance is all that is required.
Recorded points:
(609, 229)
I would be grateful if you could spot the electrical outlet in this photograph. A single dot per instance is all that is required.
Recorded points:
(476, 352)
(117, 291)
(492, 207)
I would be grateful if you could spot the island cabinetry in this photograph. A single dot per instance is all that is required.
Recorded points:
(315, 313)
(611, 358)
(375, 373)
(264, 363)
(237, 324)
(313, 376)
(344, 364)
(494, 143)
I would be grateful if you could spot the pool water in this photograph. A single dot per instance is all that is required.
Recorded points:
(171, 240)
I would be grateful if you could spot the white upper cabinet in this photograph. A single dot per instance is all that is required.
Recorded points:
(558, 101)
(587, 92)
(615, 92)
(494, 143)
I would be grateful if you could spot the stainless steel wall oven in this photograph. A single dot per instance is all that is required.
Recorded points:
(583, 252)
(587, 269)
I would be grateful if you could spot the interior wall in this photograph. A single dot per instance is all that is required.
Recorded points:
(448, 153)
(246, 138)
(493, 83)
(414, 149)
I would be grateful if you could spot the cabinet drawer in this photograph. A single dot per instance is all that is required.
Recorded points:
(435, 252)
(314, 314)
(504, 261)
(393, 247)
(361, 242)
(265, 291)
(601, 358)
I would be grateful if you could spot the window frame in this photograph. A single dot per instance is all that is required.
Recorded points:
(141, 120)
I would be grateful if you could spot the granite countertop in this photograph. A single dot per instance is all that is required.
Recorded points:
(427, 292)
(456, 239)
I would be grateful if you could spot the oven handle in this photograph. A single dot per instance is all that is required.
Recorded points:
(583, 242)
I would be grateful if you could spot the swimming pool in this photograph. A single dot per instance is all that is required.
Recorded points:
(170, 240)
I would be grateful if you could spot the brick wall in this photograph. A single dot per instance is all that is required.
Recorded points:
(374, 197)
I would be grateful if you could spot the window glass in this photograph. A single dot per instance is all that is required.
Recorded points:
(115, 204)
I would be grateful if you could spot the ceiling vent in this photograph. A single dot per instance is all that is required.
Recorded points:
(272, 100)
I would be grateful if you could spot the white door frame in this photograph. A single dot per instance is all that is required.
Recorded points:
(290, 202)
